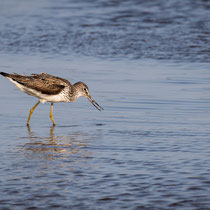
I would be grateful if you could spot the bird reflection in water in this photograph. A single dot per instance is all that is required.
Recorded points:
(53, 146)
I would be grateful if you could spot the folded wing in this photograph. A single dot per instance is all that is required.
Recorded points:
(44, 83)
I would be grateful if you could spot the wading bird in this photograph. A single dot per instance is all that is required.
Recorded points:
(49, 88)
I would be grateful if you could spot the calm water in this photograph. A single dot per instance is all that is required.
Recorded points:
(147, 64)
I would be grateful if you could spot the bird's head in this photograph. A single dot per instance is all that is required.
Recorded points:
(82, 90)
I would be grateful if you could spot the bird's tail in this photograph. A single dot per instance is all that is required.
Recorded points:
(4, 74)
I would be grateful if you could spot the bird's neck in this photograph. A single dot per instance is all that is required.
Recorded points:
(74, 94)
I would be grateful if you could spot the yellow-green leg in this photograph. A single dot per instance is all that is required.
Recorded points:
(31, 112)
(51, 114)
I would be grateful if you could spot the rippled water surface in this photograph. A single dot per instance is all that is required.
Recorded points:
(147, 64)
(173, 29)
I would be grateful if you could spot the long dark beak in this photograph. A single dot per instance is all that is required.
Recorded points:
(97, 106)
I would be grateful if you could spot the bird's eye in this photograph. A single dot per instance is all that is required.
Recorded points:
(84, 89)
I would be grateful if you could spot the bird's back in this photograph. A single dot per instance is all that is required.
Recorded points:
(44, 83)
(44, 86)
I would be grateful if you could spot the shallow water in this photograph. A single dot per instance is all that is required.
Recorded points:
(149, 148)
(172, 30)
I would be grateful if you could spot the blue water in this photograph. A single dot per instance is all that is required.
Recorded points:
(135, 29)
(147, 64)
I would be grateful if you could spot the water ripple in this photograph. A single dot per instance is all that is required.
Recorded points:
(176, 30)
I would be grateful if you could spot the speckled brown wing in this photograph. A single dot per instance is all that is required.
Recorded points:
(45, 83)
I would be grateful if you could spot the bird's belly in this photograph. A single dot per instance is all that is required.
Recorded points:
(52, 98)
